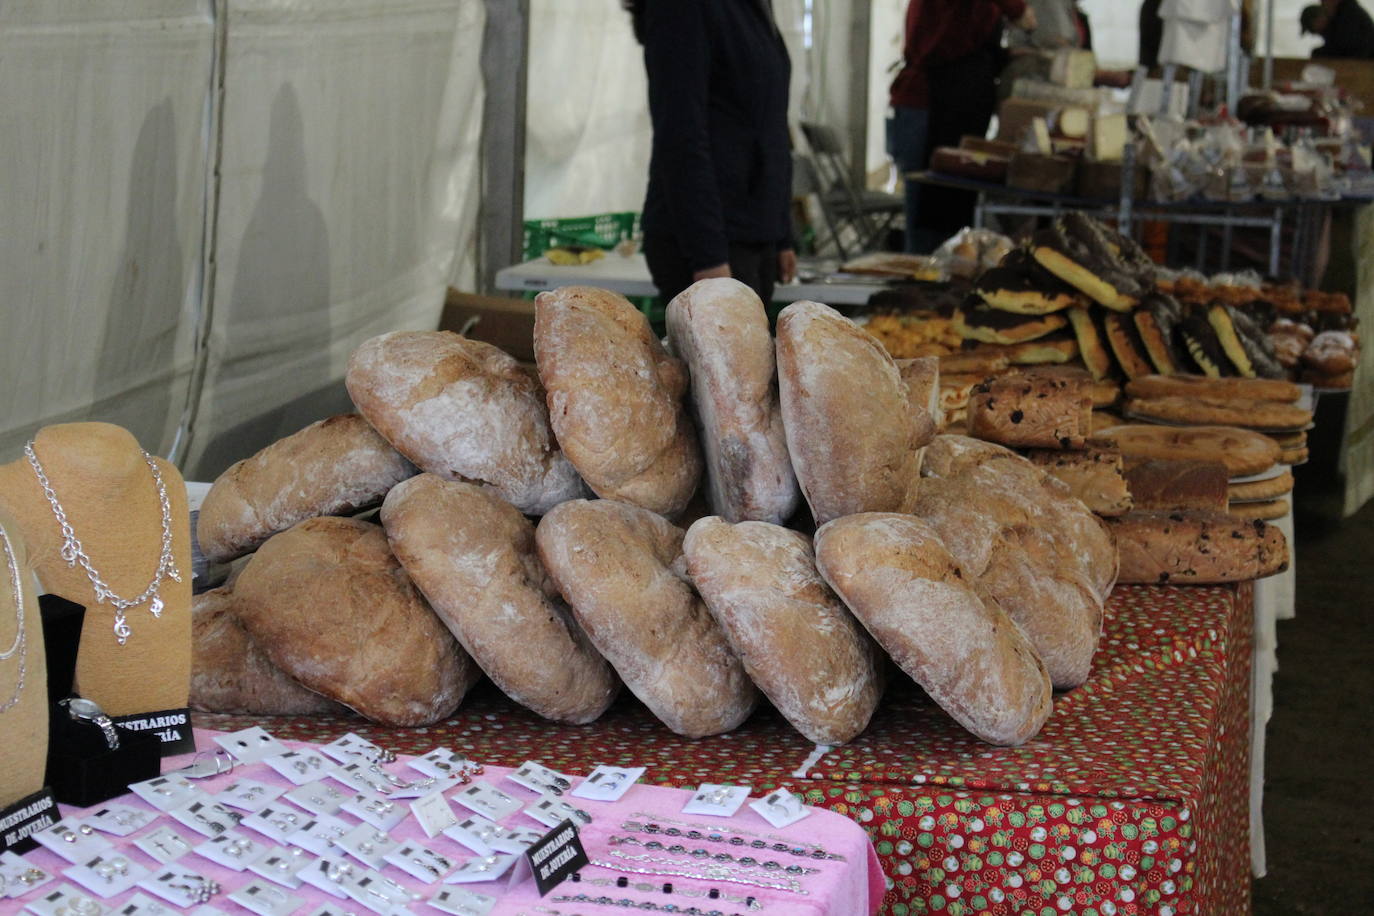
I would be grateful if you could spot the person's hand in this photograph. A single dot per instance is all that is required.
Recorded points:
(1027, 21)
(720, 270)
(787, 265)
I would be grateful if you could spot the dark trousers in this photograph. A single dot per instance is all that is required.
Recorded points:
(755, 264)
(908, 143)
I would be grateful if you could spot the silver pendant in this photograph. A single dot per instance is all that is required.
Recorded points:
(122, 631)
(173, 574)
(156, 607)
(69, 554)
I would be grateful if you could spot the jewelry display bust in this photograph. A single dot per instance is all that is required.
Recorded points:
(99, 479)
(23, 672)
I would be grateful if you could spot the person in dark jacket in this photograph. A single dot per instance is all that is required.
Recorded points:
(1345, 26)
(720, 173)
(947, 87)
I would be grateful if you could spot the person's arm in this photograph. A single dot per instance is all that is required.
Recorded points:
(677, 56)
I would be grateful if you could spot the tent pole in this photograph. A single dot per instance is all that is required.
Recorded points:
(505, 67)
(1269, 44)
(860, 44)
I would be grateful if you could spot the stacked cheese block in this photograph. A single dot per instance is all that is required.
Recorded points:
(621, 516)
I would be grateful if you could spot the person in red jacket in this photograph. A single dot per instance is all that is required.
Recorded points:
(947, 87)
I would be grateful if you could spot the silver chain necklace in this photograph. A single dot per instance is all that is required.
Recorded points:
(74, 553)
(20, 645)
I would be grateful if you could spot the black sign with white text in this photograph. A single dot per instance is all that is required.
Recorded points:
(171, 726)
(26, 817)
(556, 856)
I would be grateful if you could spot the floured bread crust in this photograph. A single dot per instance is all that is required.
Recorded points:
(464, 410)
(617, 567)
(720, 329)
(336, 466)
(229, 673)
(472, 555)
(850, 428)
(332, 607)
(615, 399)
(796, 639)
(945, 632)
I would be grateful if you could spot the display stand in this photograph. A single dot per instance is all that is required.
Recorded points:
(106, 488)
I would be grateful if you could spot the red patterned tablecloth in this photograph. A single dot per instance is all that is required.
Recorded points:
(1131, 801)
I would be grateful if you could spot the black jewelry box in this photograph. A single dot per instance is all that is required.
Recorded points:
(82, 769)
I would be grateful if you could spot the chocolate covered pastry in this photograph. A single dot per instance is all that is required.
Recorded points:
(1022, 286)
(1086, 268)
(1156, 321)
(1092, 346)
(1127, 346)
(976, 320)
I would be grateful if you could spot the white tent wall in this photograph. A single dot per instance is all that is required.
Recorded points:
(348, 168)
(103, 165)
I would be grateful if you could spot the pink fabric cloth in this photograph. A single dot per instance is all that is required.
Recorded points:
(853, 887)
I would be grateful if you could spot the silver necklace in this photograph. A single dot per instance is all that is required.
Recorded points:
(74, 553)
(21, 640)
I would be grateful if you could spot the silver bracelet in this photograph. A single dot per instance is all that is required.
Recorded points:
(667, 887)
(702, 832)
(629, 904)
(703, 871)
(699, 853)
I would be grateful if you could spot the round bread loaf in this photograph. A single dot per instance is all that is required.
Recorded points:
(229, 673)
(336, 466)
(332, 607)
(463, 410)
(472, 555)
(949, 636)
(719, 327)
(616, 566)
(615, 399)
(850, 429)
(797, 640)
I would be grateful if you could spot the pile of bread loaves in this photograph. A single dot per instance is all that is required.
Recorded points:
(541, 528)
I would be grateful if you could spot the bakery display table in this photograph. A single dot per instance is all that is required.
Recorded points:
(1132, 800)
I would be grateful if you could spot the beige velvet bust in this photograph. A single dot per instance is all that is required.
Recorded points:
(104, 485)
(24, 750)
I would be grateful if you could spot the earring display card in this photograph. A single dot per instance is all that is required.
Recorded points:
(780, 808)
(165, 792)
(462, 902)
(232, 850)
(476, 833)
(266, 900)
(330, 874)
(248, 795)
(281, 865)
(517, 840)
(442, 762)
(66, 900)
(205, 817)
(301, 767)
(318, 797)
(606, 783)
(380, 894)
(108, 875)
(488, 801)
(20, 876)
(538, 778)
(276, 822)
(72, 843)
(359, 777)
(352, 747)
(382, 813)
(250, 745)
(419, 861)
(367, 844)
(551, 811)
(119, 820)
(164, 844)
(716, 800)
(488, 868)
(143, 905)
(179, 886)
(434, 813)
(319, 834)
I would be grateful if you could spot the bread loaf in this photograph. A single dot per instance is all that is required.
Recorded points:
(850, 429)
(1032, 409)
(1094, 475)
(922, 380)
(615, 399)
(719, 327)
(955, 641)
(616, 565)
(332, 607)
(796, 639)
(949, 455)
(229, 673)
(472, 555)
(1164, 484)
(464, 410)
(1242, 451)
(336, 466)
(1196, 548)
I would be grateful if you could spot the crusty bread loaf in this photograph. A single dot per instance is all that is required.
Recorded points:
(1197, 548)
(850, 429)
(1003, 534)
(949, 454)
(720, 329)
(332, 607)
(948, 635)
(336, 466)
(229, 673)
(922, 380)
(464, 410)
(1032, 409)
(796, 639)
(1094, 475)
(615, 399)
(472, 555)
(616, 564)
(1167, 485)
